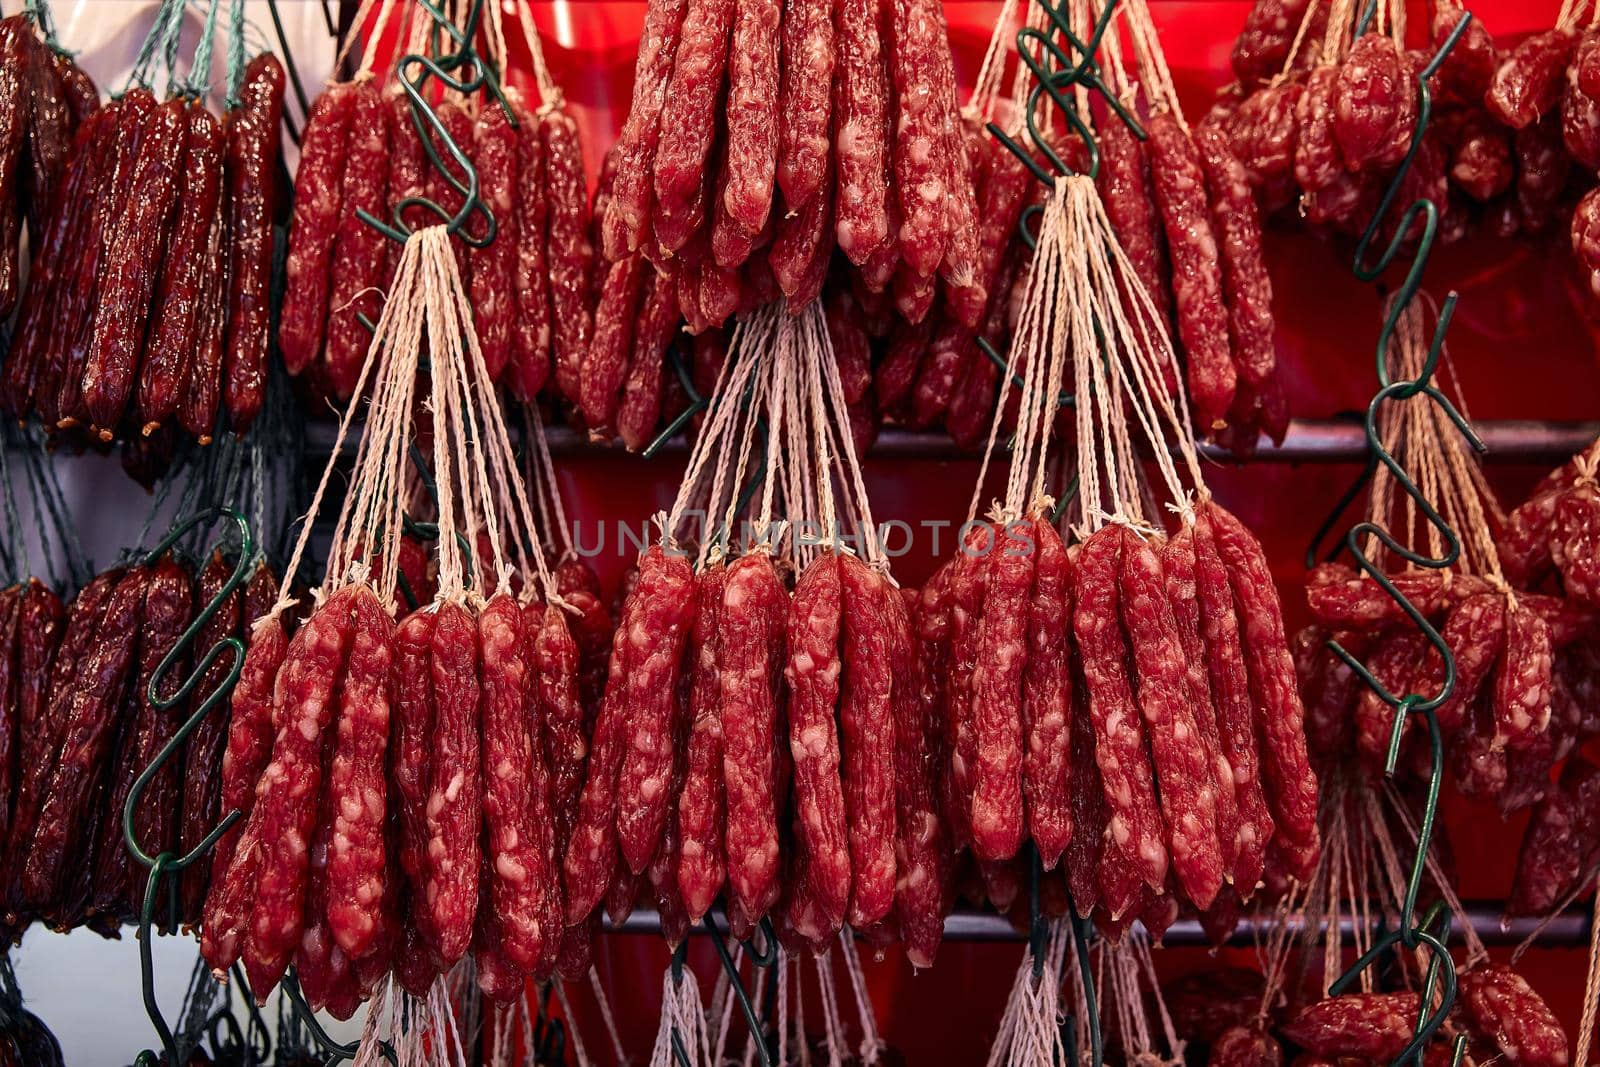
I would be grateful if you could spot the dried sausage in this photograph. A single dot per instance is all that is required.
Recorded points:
(1188, 803)
(1196, 273)
(1292, 792)
(997, 818)
(568, 250)
(514, 782)
(360, 252)
(751, 107)
(252, 172)
(530, 282)
(1230, 691)
(1244, 273)
(667, 594)
(455, 785)
(180, 293)
(628, 209)
(866, 718)
(861, 132)
(317, 209)
(812, 673)
(1528, 81)
(1134, 825)
(137, 242)
(1048, 698)
(281, 825)
(357, 787)
(688, 122)
(702, 815)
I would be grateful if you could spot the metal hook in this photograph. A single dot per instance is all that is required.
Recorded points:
(412, 71)
(1434, 930)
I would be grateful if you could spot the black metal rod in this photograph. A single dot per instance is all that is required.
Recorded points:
(1566, 930)
(1338, 440)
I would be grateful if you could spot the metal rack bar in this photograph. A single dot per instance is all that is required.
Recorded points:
(1570, 929)
(1336, 440)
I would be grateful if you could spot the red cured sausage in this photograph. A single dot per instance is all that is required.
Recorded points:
(629, 207)
(180, 293)
(25, 371)
(1188, 802)
(920, 167)
(813, 676)
(357, 785)
(251, 165)
(1047, 702)
(1196, 272)
(1134, 826)
(1244, 273)
(640, 409)
(1230, 691)
(1125, 190)
(412, 715)
(861, 132)
(317, 206)
(1522, 685)
(1373, 1026)
(688, 121)
(752, 112)
(1374, 104)
(919, 888)
(14, 34)
(666, 592)
(495, 154)
(167, 611)
(968, 583)
(997, 697)
(247, 739)
(555, 660)
(866, 717)
(454, 786)
(701, 807)
(1504, 1009)
(1179, 567)
(751, 656)
(805, 95)
(48, 670)
(518, 852)
(1292, 795)
(360, 260)
(282, 823)
(1528, 81)
(530, 281)
(568, 250)
(74, 336)
(591, 854)
(606, 363)
(10, 738)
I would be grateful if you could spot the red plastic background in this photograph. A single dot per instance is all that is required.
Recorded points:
(1521, 343)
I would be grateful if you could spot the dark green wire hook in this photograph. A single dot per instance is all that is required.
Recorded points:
(1433, 932)
(165, 863)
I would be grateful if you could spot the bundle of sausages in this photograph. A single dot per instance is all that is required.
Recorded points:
(44, 98)
(761, 135)
(366, 150)
(1502, 1015)
(148, 309)
(406, 786)
(1512, 146)
(78, 716)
